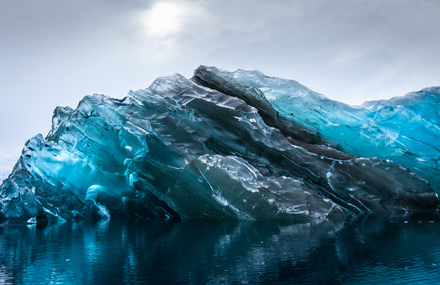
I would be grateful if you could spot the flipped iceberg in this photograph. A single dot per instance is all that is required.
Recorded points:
(228, 146)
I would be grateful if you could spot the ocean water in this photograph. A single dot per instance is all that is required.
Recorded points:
(364, 251)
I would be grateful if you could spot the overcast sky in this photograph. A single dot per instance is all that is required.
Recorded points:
(54, 52)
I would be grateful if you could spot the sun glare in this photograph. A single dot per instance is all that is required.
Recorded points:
(164, 19)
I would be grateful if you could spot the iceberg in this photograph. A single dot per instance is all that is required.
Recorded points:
(229, 145)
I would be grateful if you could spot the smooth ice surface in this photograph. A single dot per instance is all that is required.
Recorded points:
(220, 146)
(403, 129)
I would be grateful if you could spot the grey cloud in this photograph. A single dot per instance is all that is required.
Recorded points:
(54, 52)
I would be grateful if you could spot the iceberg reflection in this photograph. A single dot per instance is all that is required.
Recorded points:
(191, 252)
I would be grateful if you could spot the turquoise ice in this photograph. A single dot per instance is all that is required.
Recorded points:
(227, 145)
(405, 130)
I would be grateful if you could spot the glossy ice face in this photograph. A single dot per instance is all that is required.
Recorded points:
(220, 146)
(404, 129)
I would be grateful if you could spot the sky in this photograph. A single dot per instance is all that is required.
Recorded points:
(54, 52)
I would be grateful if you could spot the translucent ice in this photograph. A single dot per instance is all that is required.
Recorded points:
(403, 129)
(220, 146)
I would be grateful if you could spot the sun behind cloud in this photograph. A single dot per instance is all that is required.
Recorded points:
(164, 19)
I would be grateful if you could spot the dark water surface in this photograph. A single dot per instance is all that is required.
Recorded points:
(368, 251)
